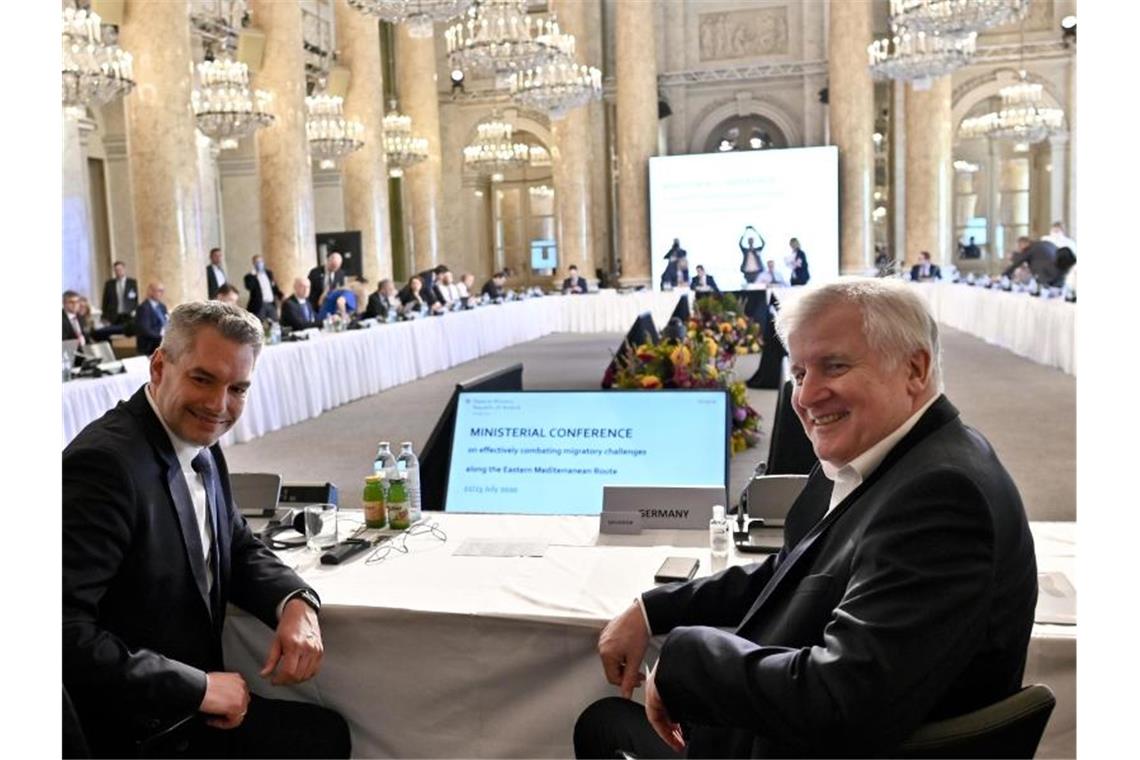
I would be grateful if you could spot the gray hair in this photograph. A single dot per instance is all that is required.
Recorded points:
(896, 321)
(232, 322)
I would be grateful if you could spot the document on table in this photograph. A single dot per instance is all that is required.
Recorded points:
(1056, 599)
(499, 547)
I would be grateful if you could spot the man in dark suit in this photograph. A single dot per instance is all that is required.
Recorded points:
(154, 549)
(494, 286)
(72, 326)
(297, 312)
(324, 279)
(263, 290)
(1039, 258)
(120, 296)
(384, 303)
(925, 269)
(904, 591)
(150, 319)
(799, 263)
(215, 273)
(704, 283)
(574, 283)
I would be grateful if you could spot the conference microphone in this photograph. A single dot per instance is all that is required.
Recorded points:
(345, 550)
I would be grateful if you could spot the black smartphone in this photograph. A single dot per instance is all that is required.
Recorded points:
(677, 569)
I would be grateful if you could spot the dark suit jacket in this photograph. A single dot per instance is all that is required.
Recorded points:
(111, 300)
(317, 284)
(579, 282)
(911, 601)
(710, 282)
(916, 272)
(378, 307)
(293, 314)
(256, 303)
(149, 322)
(800, 273)
(69, 332)
(139, 630)
(492, 290)
(212, 283)
(1041, 256)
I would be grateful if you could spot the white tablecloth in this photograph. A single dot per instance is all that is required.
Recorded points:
(294, 382)
(432, 655)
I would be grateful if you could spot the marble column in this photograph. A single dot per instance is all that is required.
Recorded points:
(78, 245)
(365, 171)
(851, 122)
(929, 140)
(1059, 163)
(162, 150)
(995, 245)
(636, 70)
(898, 171)
(423, 183)
(570, 165)
(117, 167)
(284, 168)
(591, 46)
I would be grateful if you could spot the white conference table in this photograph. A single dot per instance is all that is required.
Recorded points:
(294, 382)
(432, 655)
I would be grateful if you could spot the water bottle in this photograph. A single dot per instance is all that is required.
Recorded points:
(385, 463)
(409, 466)
(66, 367)
(718, 539)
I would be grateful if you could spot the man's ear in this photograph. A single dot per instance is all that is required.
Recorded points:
(158, 362)
(918, 371)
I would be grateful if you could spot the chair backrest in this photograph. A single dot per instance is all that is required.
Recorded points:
(1009, 728)
(256, 493)
(101, 351)
(789, 450)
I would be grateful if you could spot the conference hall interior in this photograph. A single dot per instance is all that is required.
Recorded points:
(578, 218)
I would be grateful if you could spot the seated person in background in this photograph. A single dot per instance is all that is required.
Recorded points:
(602, 277)
(296, 311)
(1066, 262)
(86, 321)
(263, 291)
(384, 303)
(359, 288)
(150, 320)
(411, 296)
(772, 275)
(443, 292)
(925, 269)
(429, 278)
(1059, 238)
(338, 301)
(1039, 259)
(704, 283)
(466, 289)
(72, 326)
(227, 293)
(904, 591)
(494, 286)
(970, 250)
(574, 283)
(153, 550)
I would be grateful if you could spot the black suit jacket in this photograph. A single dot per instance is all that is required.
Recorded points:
(710, 282)
(378, 307)
(254, 287)
(1041, 256)
(916, 272)
(572, 282)
(139, 630)
(911, 601)
(69, 332)
(111, 299)
(212, 283)
(149, 321)
(317, 284)
(492, 290)
(293, 314)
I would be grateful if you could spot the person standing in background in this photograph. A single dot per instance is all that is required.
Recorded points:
(799, 263)
(215, 275)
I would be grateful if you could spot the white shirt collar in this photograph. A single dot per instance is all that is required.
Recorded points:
(184, 450)
(849, 476)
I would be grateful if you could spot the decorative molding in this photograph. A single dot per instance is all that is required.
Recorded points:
(115, 147)
(1012, 51)
(237, 167)
(742, 104)
(749, 33)
(743, 73)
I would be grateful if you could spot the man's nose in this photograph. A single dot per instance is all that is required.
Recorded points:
(812, 389)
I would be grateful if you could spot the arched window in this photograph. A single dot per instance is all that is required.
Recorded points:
(750, 132)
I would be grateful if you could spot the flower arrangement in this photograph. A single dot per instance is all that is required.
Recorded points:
(695, 362)
(721, 319)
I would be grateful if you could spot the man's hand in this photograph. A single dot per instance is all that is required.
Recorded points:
(227, 697)
(297, 649)
(659, 718)
(622, 646)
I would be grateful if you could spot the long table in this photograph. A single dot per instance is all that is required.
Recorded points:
(294, 382)
(433, 655)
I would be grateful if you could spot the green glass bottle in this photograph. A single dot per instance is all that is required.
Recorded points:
(375, 513)
(398, 506)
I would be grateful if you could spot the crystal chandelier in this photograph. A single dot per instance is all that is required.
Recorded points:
(401, 147)
(419, 15)
(539, 156)
(560, 84)
(918, 55)
(1022, 117)
(498, 37)
(330, 134)
(95, 71)
(956, 16)
(494, 150)
(224, 107)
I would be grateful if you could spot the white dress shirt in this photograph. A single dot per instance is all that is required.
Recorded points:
(219, 275)
(120, 294)
(266, 286)
(74, 320)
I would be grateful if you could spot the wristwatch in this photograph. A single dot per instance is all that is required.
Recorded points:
(308, 596)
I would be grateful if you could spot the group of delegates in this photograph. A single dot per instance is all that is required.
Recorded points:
(903, 593)
(1051, 260)
(752, 267)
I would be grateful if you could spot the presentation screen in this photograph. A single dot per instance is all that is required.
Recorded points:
(550, 452)
(709, 200)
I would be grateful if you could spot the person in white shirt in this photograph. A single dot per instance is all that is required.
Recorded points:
(215, 274)
(72, 326)
(771, 275)
(263, 291)
(1058, 237)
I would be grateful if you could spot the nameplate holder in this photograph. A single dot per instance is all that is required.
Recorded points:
(626, 523)
(664, 506)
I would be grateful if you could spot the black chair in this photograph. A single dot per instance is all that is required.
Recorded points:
(789, 450)
(74, 740)
(769, 372)
(1010, 728)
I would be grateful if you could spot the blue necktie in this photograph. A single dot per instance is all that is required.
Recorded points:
(308, 311)
(203, 464)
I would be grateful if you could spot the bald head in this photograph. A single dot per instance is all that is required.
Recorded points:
(301, 287)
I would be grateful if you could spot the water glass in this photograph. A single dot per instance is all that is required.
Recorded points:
(320, 526)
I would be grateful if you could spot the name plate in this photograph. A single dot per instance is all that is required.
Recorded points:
(670, 507)
(620, 522)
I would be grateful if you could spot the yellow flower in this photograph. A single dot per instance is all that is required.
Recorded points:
(755, 347)
(741, 323)
(680, 356)
(710, 345)
(692, 333)
(650, 381)
(741, 350)
(711, 369)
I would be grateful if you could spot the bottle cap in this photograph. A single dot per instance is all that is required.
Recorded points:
(385, 443)
(373, 478)
(718, 511)
(406, 443)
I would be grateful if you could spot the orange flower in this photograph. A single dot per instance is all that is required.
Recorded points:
(725, 327)
(650, 381)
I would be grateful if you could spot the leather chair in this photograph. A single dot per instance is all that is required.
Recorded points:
(1009, 728)
(789, 450)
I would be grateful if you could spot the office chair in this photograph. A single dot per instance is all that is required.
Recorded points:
(1009, 728)
(789, 450)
